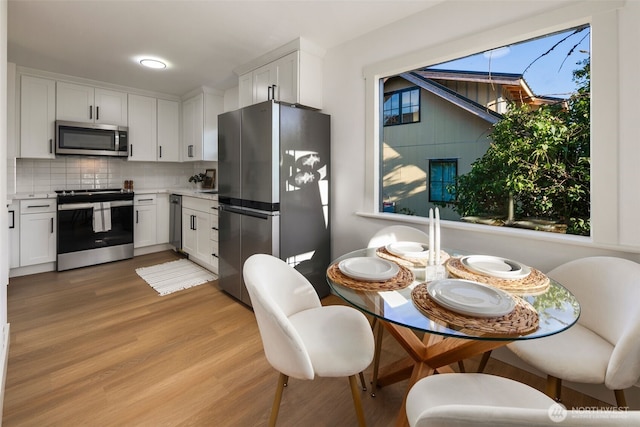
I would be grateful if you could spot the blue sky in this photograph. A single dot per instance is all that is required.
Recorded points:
(547, 76)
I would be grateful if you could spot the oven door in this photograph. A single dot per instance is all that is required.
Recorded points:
(77, 229)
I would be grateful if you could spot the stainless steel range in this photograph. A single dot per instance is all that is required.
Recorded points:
(94, 227)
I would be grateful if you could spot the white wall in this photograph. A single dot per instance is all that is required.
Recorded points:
(453, 29)
(456, 28)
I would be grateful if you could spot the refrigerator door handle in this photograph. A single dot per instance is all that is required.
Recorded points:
(247, 212)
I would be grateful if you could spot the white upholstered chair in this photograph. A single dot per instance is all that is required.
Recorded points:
(302, 338)
(397, 233)
(471, 400)
(604, 346)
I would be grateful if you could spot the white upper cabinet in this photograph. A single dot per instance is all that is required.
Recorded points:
(82, 103)
(168, 131)
(142, 128)
(294, 78)
(200, 126)
(37, 117)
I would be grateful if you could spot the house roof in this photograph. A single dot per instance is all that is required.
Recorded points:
(455, 98)
(513, 83)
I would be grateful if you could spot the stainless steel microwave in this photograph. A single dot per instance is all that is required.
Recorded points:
(91, 139)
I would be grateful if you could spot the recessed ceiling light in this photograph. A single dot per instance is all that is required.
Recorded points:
(153, 63)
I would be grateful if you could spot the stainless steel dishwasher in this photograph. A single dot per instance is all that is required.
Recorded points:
(175, 221)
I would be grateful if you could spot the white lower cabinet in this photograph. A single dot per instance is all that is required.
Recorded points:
(162, 218)
(14, 235)
(37, 231)
(144, 220)
(197, 231)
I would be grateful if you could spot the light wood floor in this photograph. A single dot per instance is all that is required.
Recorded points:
(98, 347)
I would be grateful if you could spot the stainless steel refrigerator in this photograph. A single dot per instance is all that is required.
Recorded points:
(273, 165)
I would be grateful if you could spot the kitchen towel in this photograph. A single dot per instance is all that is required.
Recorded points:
(101, 217)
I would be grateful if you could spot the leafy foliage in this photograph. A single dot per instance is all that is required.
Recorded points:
(538, 165)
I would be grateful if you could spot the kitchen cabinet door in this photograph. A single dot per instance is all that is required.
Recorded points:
(37, 238)
(168, 131)
(80, 103)
(142, 128)
(14, 235)
(162, 215)
(245, 90)
(189, 244)
(192, 128)
(111, 107)
(144, 221)
(264, 78)
(200, 127)
(202, 225)
(37, 117)
(74, 102)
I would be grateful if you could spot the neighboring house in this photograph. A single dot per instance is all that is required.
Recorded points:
(436, 123)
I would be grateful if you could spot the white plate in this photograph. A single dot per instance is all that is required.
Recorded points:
(471, 298)
(369, 268)
(408, 249)
(495, 266)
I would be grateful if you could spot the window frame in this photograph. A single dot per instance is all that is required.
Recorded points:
(400, 93)
(603, 19)
(446, 161)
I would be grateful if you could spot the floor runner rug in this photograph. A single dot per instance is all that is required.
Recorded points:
(175, 276)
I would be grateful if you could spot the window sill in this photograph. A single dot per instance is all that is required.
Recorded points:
(518, 233)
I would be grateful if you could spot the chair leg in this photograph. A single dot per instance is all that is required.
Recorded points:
(621, 401)
(461, 366)
(356, 400)
(282, 383)
(553, 388)
(362, 381)
(376, 356)
(483, 362)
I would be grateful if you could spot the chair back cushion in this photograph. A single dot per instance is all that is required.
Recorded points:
(608, 290)
(278, 291)
(397, 233)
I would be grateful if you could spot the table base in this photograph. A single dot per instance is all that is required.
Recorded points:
(425, 356)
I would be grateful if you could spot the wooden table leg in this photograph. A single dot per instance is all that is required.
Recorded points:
(433, 352)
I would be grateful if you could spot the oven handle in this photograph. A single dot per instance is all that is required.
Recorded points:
(73, 206)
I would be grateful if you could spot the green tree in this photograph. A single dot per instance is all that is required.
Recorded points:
(537, 166)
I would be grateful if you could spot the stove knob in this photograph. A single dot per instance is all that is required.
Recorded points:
(72, 193)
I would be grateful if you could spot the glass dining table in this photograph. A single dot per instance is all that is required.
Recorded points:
(446, 339)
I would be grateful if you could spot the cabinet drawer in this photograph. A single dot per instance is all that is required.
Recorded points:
(144, 199)
(202, 205)
(37, 206)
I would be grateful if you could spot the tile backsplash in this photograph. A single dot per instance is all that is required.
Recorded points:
(73, 173)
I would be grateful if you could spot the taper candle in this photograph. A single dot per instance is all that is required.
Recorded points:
(437, 238)
(431, 238)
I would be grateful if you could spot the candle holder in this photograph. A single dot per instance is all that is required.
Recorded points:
(435, 272)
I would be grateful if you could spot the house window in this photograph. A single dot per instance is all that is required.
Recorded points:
(442, 177)
(401, 107)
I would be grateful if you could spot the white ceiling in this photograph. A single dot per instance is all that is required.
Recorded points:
(203, 41)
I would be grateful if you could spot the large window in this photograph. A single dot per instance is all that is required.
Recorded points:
(401, 107)
(516, 121)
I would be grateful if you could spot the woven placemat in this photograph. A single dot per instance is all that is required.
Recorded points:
(399, 281)
(535, 283)
(521, 321)
(382, 252)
